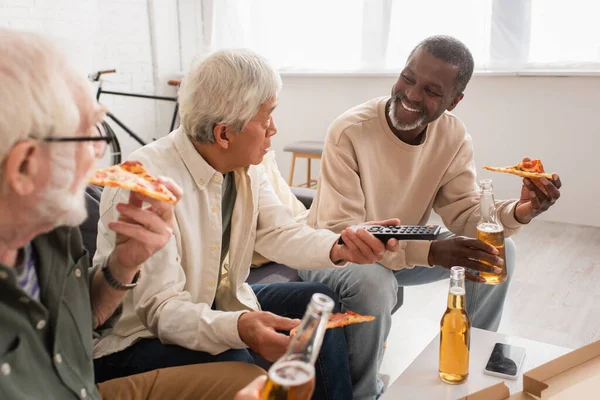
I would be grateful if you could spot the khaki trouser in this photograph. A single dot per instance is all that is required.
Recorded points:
(211, 381)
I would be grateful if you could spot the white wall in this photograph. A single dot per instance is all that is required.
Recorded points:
(550, 118)
(509, 117)
(99, 34)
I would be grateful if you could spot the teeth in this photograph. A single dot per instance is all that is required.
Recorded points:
(408, 108)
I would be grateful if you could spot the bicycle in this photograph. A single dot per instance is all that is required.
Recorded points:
(115, 146)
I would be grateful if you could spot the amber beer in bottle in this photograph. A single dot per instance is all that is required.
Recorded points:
(455, 332)
(292, 377)
(490, 230)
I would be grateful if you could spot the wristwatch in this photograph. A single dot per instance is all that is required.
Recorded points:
(115, 283)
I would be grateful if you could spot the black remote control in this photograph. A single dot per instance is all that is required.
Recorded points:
(400, 232)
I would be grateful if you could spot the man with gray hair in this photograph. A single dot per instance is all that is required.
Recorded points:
(193, 305)
(49, 301)
(402, 156)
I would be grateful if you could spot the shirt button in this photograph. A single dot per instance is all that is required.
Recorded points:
(5, 368)
(212, 283)
(41, 324)
(58, 358)
(217, 178)
(214, 247)
(24, 299)
(83, 393)
(215, 209)
(3, 274)
(78, 273)
(202, 181)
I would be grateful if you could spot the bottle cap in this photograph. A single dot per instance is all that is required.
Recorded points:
(485, 184)
(457, 273)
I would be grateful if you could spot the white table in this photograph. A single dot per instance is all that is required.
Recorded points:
(421, 380)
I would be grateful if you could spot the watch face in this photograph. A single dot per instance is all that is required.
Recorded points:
(116, 284)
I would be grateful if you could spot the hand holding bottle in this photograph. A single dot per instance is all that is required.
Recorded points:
(253, 390)
(467, 252)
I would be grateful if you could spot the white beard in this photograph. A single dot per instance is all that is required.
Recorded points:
(58, 206)
(399, 125)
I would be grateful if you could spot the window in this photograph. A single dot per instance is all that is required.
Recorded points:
(412, 21)
(307, 34)
(377, 35)
(565, 33)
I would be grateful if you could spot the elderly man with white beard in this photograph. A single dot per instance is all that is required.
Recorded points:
(49, 302)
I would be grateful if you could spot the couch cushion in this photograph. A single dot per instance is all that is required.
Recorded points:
(273, 273)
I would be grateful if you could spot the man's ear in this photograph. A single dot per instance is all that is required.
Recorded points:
(22, 167)
(455, 102)
(223, 135)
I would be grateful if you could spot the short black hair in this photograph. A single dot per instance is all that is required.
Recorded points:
(452, 51)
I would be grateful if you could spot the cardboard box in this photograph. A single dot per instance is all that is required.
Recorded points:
(574, 376)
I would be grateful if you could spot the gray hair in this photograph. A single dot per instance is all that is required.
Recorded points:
(39, 92)
(455, 53)
(228, 87)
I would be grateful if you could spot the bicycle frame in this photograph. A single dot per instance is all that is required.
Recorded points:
(100, 91)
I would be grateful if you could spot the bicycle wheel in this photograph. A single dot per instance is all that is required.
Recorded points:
(113, 152)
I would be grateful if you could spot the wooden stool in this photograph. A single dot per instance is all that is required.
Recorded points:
(304, 149)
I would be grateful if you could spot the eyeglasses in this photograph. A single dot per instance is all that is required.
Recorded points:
(99, 142)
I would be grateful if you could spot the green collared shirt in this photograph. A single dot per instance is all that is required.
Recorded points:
(46, 346)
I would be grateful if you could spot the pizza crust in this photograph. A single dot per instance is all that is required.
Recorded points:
(523, 174)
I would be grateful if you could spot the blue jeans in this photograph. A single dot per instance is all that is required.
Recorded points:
(372, 290)
(332, 371)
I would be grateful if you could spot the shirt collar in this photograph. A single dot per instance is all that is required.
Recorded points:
(200, 170)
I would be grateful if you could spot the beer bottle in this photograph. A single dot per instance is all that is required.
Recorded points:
(490, 230)
(455, 332)
(292, 377)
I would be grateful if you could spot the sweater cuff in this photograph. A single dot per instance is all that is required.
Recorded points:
(417, 253)
(507, 217)
(329, 262)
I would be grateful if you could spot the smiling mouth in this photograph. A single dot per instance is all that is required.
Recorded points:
(407, 108)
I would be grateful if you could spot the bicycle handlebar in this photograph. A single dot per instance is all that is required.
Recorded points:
(96, 76)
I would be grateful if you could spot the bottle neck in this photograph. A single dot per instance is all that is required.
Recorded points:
(487, 207)
(456, 293)
(306, 343)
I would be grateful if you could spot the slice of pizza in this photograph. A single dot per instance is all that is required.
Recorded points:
(133, 176)
(338, 320)
(532, 169)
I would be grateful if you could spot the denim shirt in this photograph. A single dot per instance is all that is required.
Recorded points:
(46, 346)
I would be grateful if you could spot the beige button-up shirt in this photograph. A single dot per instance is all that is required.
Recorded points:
(178, 285)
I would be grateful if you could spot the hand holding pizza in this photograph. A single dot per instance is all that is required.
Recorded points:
(142, 231)
(537, 196)
(539, 192)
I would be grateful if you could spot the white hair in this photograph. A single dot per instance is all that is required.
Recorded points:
(40, 95)
(228, 87)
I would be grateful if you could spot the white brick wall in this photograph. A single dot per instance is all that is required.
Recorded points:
(102, 34)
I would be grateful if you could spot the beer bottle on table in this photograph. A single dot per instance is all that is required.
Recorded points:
(292, 377)
(455, 332)
(490, 230)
